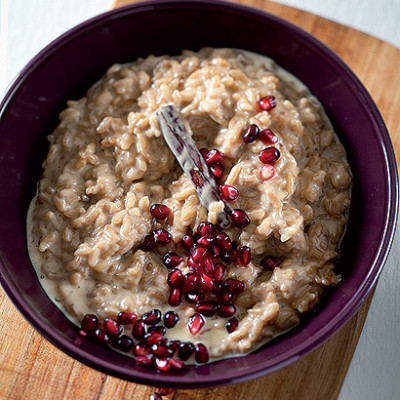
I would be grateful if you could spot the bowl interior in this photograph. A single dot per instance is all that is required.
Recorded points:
(69, 66)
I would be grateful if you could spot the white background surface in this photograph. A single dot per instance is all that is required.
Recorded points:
(26, 26)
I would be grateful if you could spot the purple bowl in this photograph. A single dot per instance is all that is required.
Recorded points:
(72, 63)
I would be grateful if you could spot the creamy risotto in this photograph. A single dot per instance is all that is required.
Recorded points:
(117, 226)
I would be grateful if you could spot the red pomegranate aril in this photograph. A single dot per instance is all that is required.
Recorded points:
(217, 170)
(175, 297)
(226, 310)
(148, 243)
(208, 308)
(195, 323)
(251, 133)
(141, 350)
(269, 263)
(198, 253)
(175, 278)
(126, 318)
(268, 137)
(162, 236)
(228, 192)
(162, 364)
(201, 353)
(161, 351)
(188, 241)
(159, 211)
(214, 251)
(206, 240)
(230, 256)
(158, 329)
(214, 157)
(205, 228)
(224, 242)
(171, 318)
(152, 317)
(206, 283)
(185, 350)
(190, 283)
(166, 391)
(89, 323)
(232, 324)
(267, 103)
(194, 266)
(155, 396)
(269, 155)
(207, 266)
(100, 336)
(219, 270)
(192, 298)
(204, 151)
(145, 361)
(176, 365)
(244, 256)
(218, 288)
(171, 259)
(267, 172)
(226, 298)
(112, 327)
(123, 343)
(234, 286)
(139, 329)
(174, 345)
(153, 338)
(240, 218)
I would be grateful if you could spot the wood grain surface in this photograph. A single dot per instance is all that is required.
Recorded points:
(32, 368)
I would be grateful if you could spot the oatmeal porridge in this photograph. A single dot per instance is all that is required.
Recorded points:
(117, 231)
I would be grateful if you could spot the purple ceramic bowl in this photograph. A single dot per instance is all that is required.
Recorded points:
(72, 63)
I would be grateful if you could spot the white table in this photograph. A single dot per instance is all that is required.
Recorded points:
(26, 26)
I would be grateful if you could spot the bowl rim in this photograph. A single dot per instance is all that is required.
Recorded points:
(299, 350)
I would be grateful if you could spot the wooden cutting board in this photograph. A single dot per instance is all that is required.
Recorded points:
(32, 368)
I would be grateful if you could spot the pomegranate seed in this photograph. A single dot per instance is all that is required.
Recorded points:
(100, 336)
(171, 318)
(153, 338)
(214, 157)
(269, 263)
(226, 310)
(201, 353)
(152, 317)
(268, 137)
(166, 391)
(176, 365)
(190, 283)
(148, 243)
(232, 324)
(230, 256)
(162, 236)
(163, 364)
(192, 298)
(185, 350)
(204, 151)
(139, 329)
(112, 327)
(217, 170)
(126, 318)
(267, 103)
(267, 172)
(171, 259)
(226, 298)
(89, 323)
(159, 211)
(123, 343)
(240, 218)
(218, 288)
(194, 266)
(145, 361)
(206, 240)
(244, 255)
(269, 155)
(188, 242)
(224, 242)
(175, 278)
(141, 350)
(175, 297)
(251, 134)
(206, 284)
(198, 253)
(161, 351)
(174, 345)
(214, 251)
(158, 329)
(195, 323)
(228, 192)
(208, 308)
(219, 271)
(155, 396)
(205, 228)
(234, 286)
